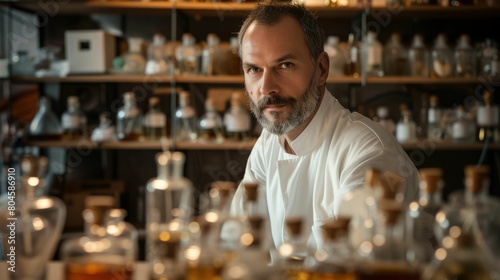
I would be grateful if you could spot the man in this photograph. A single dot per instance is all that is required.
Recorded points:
(312, 151)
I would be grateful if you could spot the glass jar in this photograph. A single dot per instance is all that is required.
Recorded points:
(158, 62)
(129, 119)
(487, 119)
(211, 127)
(74, 121)
(105, 131)
(237, 120)
(383, 119)
(155, 121)
(212, 57)
(463, 128)
(465, 64)
(134, 61)
(442, 58)
(188, 56)
(186, 124)
(337, 58)
(373, 54)
(418, 56)
(395, 57)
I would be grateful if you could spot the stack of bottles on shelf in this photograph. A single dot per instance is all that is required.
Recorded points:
(394, 59)
(478, 124)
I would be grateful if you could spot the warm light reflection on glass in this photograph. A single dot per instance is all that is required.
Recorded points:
(246, 239)
(413, 206)
(455, 232)
(174, 225)
(44, 203)
(440, 254)
(237, 272)
(285, 250)
(440, 217)
(164, 236)
(368, 223)
(378, 240)
(158, 268)
(192, 253)
(160, 184)
(33, 181)
(348, 196)
(38, 223)
(370, 201)
(194, 227)
(162, 160)
(211, 217)
(321, 255)
(366, 247)
(448, 242)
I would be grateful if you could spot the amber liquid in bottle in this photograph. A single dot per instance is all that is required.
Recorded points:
(209, 272)
(332, 272)
(211, 135)
(388, 272)
(97, 271)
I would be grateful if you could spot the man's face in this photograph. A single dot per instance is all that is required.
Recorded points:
(280, 77)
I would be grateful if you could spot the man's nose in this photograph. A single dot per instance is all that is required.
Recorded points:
(269, 83)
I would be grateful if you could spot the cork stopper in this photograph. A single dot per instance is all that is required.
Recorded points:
(251, 191)
(236, 99)
(154, 101)
(433, 100)
(432, 178)
(223, 187)
(294, 225)
(336, 228)
(391, 210)
(34, 167)
(475, 177)
(391, 184)
(488, 96)
(371, 177)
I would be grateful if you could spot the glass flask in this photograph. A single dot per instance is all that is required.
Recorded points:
(464, 58)
(293, 252)
(434, 116)
(383, 119)
(337, 58)
(185, 119)
(212, 57)
(105, 131)
(158, 62)
(188, 56)
(406, 131)
(233, 58)
(45, 125)
(211, 128)
(98, 254)
(385, 255)
(237, 120)
(395, 57)
(421, 214)
(123, 232)
(74, 121)
(442, 58)
(418, 57)
(463, 128)
(487, 119)
(155, 121)
(134, 61)
(31, 229)
(129, 119)
(487, 54)
(373, 54)
(335, 258)
(169, 205)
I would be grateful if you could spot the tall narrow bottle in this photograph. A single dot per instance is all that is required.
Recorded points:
(465, 64)
(73, 120)
(352, 54)
(487, 119)
(129, 119)
(395, 57)
(212, 57)
(211, 127)
(406, 127)
(442, 58)
(186, 124)
(373, 54)
(486, 58)
(155, 121)
(418, 57)
(434, 116)
(188, 56)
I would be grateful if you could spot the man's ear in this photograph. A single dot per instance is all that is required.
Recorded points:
(323, 68)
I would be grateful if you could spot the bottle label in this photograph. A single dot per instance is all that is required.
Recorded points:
(70, 122)
(237, 124)
(487, 116)
(434, 115)
(374, 56)
(459, 130)
(405, 132)
(156, 120)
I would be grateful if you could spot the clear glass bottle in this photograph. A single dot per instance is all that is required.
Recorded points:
(434, 116)
(293, 252)
(185, 119)
(21, 63)
(418, 57)
(465, 64)
(74, 121)
(158, 62)
(421, 215)
(233, 58)
(486, 58)
(337, 58)
(45, 125)
(487, 119)
(188, 56)
(134, 61)
(129, 119)
(105, 131)
(442, 58)
(463, 128)
(406, 128)
(395, 57)
(122, 231)
(155, 121)
(237, 120)
(373, 55)
(352, 53)
(383, 119)
(169, 203)
(212, 57)
(211, 128)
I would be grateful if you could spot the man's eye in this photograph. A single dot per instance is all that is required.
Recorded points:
(286, 65)
(252, 70)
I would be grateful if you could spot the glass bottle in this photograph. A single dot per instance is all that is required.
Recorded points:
(155, 121)
(45, 125)
(406, 127)
(73, 120)
(487, 54)
(188, 56)
(32, 227)
(395, 57)
(234, 61)
(293, 252)
(158, 62)
(352, 53)
(421, 214)
(212, 57)
(337, 58)
(441, 58)
(487, 119)
(21, 63)
(134, 61)
(463, 128)
(418, 56)
(169, 210)
(211, 129)
(335, 258)
(434, 116)
(105, 131)
(185, 118)
(373, 55)
(129, 119)
(383, 119)
(122, 231)
(464, 58)
(237, 120)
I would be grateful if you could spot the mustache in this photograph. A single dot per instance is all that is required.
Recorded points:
(274, 100)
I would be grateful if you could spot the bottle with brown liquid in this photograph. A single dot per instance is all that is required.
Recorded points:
(129, 119)
(73, 120)
(211, 128)
(155, 121)
(488, 119)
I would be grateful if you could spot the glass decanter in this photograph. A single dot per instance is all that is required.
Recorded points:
(155, 121)
(185, 119)
(129, 119)
(134, 61)
(237, 120)
(418, 57)
(464, 58)
(105, 131)
(211, 129)
(122, 231)
(169, 203)
(45, 125)
(158, 62)
(74, 121)
(36, 221)
(442, 58)
(406, 129)
(188, 56)
(395, 57)
(212, 57)
(337, 58)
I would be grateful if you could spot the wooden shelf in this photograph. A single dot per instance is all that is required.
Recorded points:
(430, 11)
(422, 80)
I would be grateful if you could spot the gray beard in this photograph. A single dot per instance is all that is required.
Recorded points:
(301, 109)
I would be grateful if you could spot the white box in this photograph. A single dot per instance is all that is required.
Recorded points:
(89, 51)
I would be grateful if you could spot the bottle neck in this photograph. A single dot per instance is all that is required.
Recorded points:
(426, 198)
